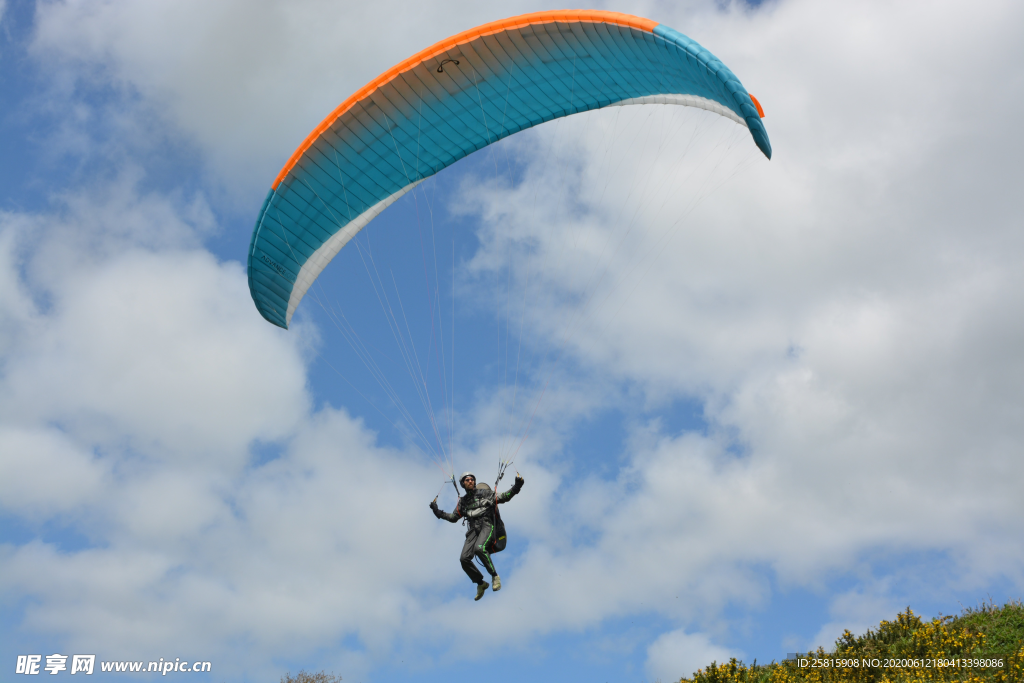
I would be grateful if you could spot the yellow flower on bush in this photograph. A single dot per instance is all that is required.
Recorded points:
(984, 645)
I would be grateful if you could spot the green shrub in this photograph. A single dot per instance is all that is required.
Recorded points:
(914, 649)
(305, 677)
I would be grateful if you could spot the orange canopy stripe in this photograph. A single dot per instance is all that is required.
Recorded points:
(760, 111)
(595, 16)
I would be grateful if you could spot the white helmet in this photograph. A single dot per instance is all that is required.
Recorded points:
(467, 474)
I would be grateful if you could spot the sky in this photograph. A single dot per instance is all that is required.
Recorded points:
(788, 401)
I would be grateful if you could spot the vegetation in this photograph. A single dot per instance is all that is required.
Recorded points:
(305, 677)
(907, 650)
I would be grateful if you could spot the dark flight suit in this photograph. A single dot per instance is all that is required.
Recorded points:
(477, 506)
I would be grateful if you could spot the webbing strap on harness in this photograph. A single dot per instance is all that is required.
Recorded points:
(458, 499)
(502, 465)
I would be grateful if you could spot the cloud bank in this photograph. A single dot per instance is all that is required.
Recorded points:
(848, 317)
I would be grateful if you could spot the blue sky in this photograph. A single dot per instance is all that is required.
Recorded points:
(792, 409)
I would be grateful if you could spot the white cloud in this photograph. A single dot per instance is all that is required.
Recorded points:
(136, 379)
(63, 476)
(151, 346)
(861, 344)
(676, 654)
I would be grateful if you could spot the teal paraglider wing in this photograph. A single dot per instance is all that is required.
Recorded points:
(458, 96)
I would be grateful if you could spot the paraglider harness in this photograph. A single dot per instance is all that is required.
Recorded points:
(499, 539)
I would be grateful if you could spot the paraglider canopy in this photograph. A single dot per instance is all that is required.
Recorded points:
(453, 98)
